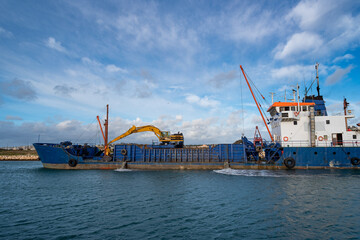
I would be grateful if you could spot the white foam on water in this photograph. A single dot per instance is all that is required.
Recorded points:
(251, 173)
(123, 170)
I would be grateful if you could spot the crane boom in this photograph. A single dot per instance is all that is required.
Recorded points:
(272, 139)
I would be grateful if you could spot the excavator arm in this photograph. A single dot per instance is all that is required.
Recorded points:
(127, 133)
(163, 136)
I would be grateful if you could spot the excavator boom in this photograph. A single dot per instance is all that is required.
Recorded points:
(163, 136)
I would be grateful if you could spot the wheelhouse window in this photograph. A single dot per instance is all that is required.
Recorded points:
(287, 108)
(284, 115)
(304, 108)
(354, 136)
(273, 112)
(293, 109)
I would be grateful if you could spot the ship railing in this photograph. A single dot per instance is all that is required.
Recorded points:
(296, 143)
(324, 143)
(347, 143)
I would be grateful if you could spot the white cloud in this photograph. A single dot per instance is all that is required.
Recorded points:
(291, 73)
(146, 28)
(202, 102)
(257, 120)
(299, 43)
(52, 43)
(346, 57)
(5, 33)
(242, 22)
(311, 13)
(338, 75)
(68, 125)
(113, 69)
(332, 26)
(89, 61)
(99, 67)
(234, 118)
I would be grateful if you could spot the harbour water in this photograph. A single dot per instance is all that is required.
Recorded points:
(38, 203)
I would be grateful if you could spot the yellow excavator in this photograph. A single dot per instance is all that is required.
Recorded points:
(164, 137)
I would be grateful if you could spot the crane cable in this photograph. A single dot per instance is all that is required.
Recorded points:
(260, 96)
(83, 131)
(264, 99)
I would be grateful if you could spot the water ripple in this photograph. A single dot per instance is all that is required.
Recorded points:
(37, 203)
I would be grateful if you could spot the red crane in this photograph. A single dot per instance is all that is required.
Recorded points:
(106, 124)
(272, 139)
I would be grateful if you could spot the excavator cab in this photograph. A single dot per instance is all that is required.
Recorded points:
(165, 134)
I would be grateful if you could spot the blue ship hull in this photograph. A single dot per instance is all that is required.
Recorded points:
(237, 156)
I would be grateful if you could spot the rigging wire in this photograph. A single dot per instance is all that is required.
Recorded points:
(260, 98)
(84, 130)
(95, 137)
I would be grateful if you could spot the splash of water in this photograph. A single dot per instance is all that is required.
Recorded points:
(123, 170)
(251, 173)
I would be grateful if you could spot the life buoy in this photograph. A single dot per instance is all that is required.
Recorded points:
(320, 138)
(286, 139)
(355, 161)
(124, 152)
(72, 163)
(296, 114)
(289, 162)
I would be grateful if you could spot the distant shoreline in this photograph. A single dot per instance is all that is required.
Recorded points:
(19, 158)
(18, 155)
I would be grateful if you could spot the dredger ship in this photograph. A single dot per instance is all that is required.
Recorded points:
(303, 136)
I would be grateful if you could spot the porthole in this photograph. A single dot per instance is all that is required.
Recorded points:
(348, 153)
(315, 153)
(334, 153)
(294, 153)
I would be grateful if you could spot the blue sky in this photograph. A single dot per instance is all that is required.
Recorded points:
(173, 64)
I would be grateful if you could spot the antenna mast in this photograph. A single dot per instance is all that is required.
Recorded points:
(272, 97)
(317, 78)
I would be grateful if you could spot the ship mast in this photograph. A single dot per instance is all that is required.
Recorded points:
(346, 104)
(106, 125)
(317, 78)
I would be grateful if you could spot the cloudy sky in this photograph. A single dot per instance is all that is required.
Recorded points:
(173, 64)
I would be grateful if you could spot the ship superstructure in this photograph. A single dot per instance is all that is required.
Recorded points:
(307, 123)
